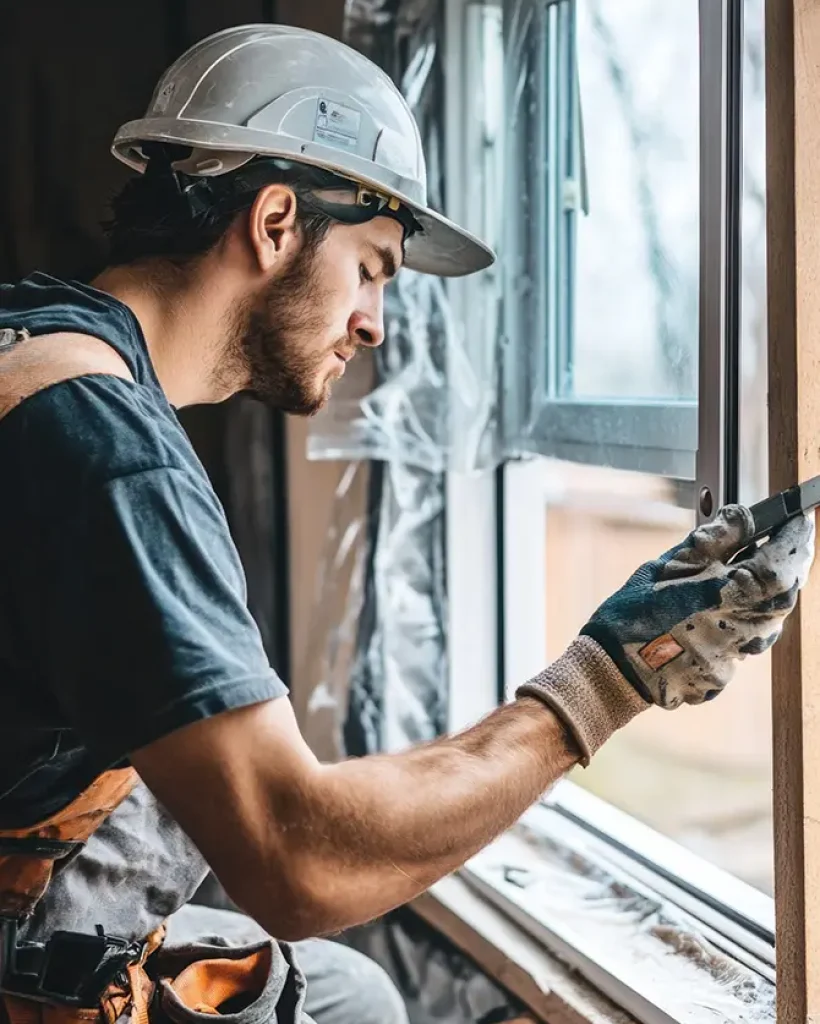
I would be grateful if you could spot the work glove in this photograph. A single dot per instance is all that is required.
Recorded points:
(673, 633)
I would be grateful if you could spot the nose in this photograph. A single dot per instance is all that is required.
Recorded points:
(366, 327)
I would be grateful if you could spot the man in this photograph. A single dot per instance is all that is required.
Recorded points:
(282, 188)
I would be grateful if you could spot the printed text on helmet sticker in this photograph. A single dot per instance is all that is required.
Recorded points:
(336, 124)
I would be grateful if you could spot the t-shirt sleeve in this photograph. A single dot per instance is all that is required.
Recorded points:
(145, 625)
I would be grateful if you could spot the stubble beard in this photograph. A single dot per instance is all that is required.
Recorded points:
(267, 335)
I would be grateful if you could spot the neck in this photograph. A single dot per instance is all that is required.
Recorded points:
(185, 328)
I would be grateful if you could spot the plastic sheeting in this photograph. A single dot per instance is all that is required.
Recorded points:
(428, 397)
(439, 984)
(378, 671)
(379, 682)
(378, 677)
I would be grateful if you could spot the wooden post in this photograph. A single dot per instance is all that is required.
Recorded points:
(793, 233)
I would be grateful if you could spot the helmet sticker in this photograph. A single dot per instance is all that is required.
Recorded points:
(337, 125)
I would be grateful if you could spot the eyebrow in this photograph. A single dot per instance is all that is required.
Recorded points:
(385, 253)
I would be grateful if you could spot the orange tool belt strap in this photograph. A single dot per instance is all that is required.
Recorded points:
(94, 979)
(62, 968)
(27, 855)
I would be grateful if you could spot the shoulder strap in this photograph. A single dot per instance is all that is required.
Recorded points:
(27, 855)
(28, 365)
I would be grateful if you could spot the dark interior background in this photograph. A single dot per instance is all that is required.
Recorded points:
(72, 73)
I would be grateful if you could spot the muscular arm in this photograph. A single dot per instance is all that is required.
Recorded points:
(305, 848)
(308, 849)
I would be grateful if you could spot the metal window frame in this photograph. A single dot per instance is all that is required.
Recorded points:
(714, 419)
(721, 126)
(501, 877)
(728, 907)
(496, 614)
(732, 907)
(532, 376)
(648, 437)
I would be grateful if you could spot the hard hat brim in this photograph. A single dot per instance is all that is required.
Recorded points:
(442, 248)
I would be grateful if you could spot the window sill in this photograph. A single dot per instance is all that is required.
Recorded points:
(547, 987)
(568, 926)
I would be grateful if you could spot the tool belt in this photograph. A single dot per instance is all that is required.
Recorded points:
(75, 978)
(71, 969)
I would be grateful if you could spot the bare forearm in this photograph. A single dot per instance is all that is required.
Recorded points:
(384, 828)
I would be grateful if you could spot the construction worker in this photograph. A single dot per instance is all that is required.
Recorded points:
(143, 735)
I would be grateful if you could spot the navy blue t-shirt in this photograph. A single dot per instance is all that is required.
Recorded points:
(122, 598)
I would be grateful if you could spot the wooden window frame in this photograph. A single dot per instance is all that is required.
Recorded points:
(793, 240)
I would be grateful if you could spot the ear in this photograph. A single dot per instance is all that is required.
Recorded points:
(272, 225)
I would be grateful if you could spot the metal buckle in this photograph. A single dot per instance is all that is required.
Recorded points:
(8, 947)
(71, 968)
(69, 962)
(365, 196)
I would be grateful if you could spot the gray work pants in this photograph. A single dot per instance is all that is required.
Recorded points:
(140, 869)
(343, 985)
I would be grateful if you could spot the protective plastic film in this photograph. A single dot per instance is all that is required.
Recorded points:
(428, 397)
(324, 667)
(378, 679)
(376, 667)
(439, 984)
(377, 672)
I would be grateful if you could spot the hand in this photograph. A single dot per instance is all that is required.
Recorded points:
(680, 623)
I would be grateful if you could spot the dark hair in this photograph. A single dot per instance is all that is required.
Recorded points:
(175, 217)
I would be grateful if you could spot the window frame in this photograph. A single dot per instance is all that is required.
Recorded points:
(793, 198)
(537, 419)
(744, 916)
(648, 437)
(496, 601)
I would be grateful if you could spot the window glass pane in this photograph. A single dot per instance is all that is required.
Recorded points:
(637, 259)
(700, 775)
(754, 464)
(600, 238)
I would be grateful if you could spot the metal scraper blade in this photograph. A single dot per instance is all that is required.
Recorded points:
(810, 494)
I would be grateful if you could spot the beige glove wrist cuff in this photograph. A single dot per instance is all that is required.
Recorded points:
(588, 693)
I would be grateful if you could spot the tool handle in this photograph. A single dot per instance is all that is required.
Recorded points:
(775, 511)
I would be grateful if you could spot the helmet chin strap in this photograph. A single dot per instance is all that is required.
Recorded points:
(356, 213)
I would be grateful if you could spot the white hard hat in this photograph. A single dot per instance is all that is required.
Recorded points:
(277, 91)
